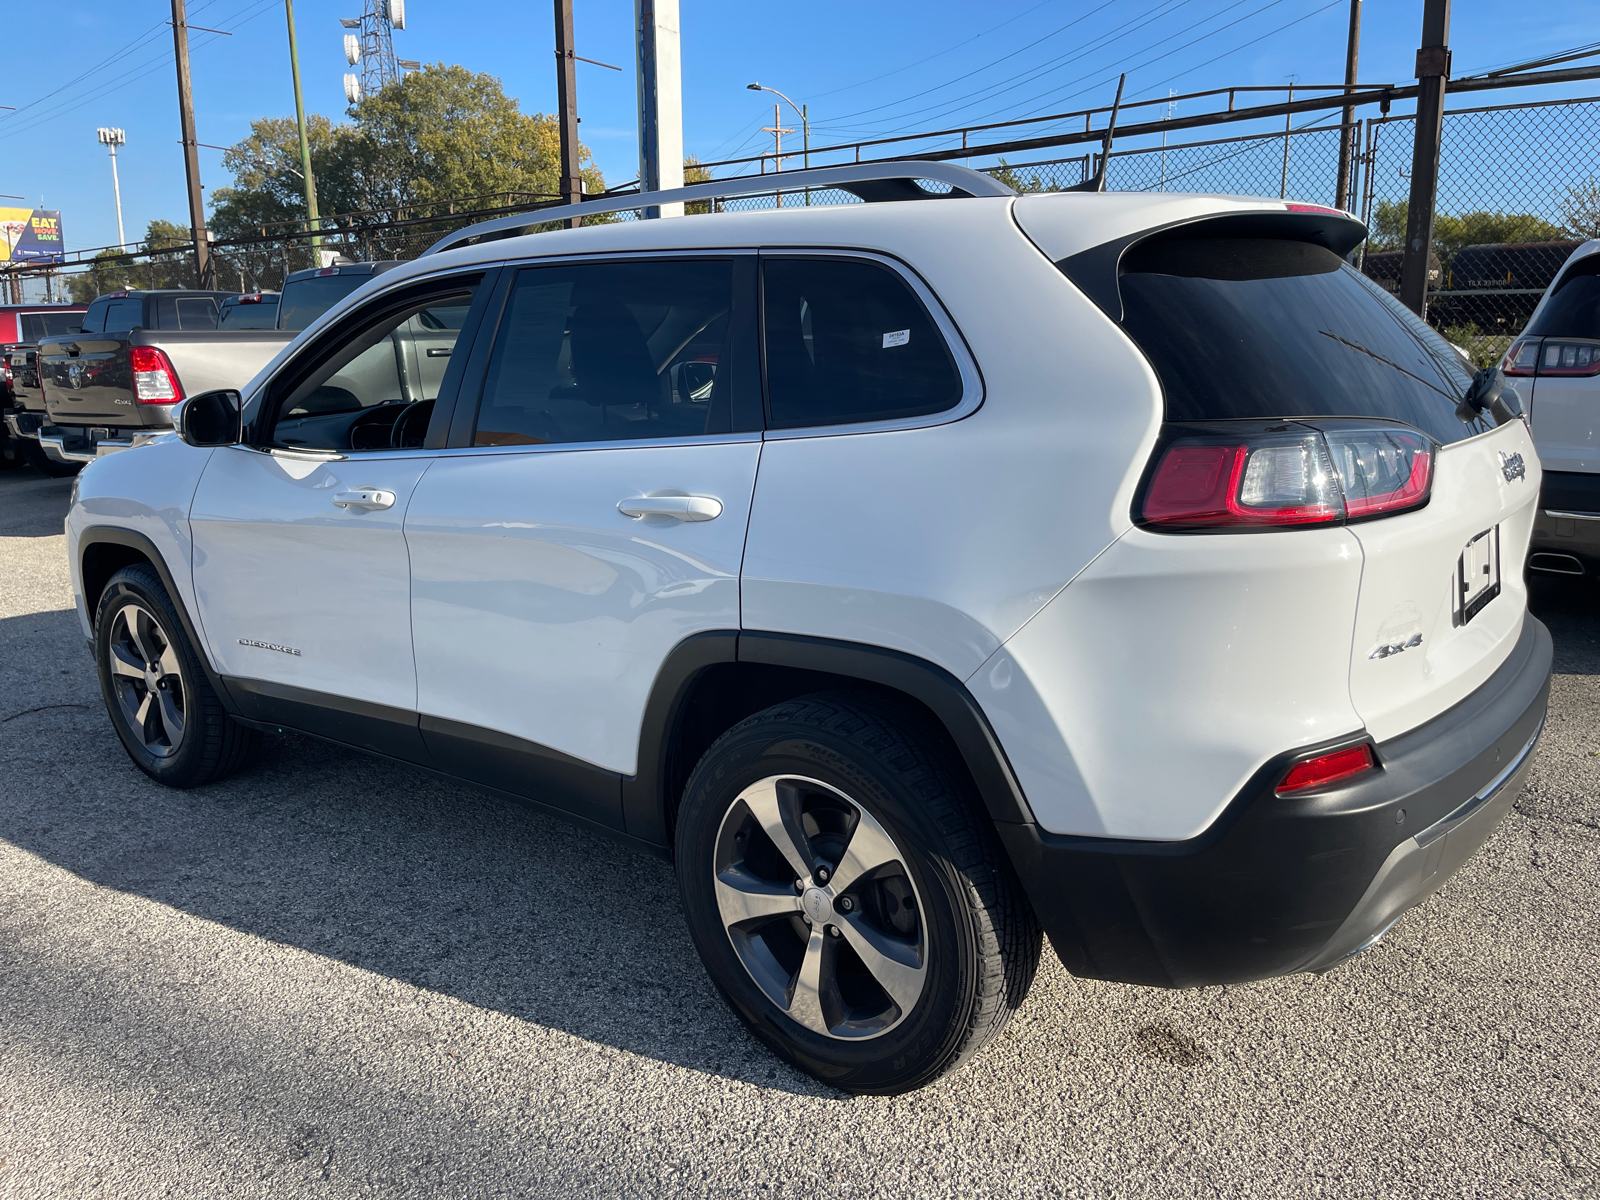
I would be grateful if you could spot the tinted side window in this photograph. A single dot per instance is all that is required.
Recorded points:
(124, 315)
(94, 321)
(1266, 327)
(1574, 307)
(601, 352)
(848, 340)
(41, 327)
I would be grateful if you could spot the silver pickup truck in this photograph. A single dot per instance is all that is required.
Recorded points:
(113, 384)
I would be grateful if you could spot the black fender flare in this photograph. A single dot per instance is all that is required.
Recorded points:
(645, 799)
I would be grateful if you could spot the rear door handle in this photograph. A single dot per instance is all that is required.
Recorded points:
(683, 508)
(368, 498)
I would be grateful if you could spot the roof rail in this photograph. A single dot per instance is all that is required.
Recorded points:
(872, 182)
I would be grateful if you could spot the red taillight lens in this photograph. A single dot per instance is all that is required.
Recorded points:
(154, 380)
(1328, 768)
(1569, 357)
(1285, 475)
(1522, 358)
(256, 299)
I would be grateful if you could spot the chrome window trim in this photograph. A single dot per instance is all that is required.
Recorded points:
(972, 386)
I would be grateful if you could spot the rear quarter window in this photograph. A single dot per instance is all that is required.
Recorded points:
(1573, 310)
(1266, 327)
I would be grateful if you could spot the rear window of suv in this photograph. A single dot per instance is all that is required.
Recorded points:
(1268, 327)
(1573, 310)
(304, 300)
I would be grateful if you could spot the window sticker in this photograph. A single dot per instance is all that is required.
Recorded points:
(898, 338)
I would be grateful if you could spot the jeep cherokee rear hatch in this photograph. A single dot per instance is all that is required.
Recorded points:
(1299, 394)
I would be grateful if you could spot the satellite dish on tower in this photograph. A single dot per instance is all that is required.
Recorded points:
(397, 13)
(352, 49)
(352, 88)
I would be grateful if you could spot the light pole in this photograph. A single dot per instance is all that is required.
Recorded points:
(805, 126)
(111, 139)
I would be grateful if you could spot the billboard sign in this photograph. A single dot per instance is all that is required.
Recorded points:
(30, 235)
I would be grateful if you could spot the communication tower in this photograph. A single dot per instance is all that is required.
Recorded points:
(369, 46)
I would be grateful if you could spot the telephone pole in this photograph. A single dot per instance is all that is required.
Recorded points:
(660, 101)
(1433, 69)
(571, 185)
(1347, 129)
(191, 152)
(313, 220)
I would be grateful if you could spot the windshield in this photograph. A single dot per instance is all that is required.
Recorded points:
(38, 327)
(1574, 307)
(1264, 327)
(304, 300)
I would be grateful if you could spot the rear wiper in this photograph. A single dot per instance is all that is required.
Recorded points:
(1389, 363)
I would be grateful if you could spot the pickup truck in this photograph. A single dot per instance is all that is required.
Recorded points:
(139, 353)
(22, 327)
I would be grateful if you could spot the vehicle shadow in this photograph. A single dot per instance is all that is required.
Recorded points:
(31, 504)
(375, 864)
(1570, 608)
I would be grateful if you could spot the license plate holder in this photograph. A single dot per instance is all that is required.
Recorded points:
(1477, 579)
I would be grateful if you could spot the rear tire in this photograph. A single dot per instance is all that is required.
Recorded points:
(847, 895)
(156, 690)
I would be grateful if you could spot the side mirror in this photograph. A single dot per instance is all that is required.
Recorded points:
(211, 419)
(1491, 391)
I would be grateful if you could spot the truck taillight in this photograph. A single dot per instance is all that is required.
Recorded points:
(1275, 474)
(154, 380)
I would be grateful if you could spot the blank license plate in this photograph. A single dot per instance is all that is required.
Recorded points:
(1477, 575)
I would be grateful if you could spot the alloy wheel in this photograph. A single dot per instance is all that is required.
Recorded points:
(820, 907)
(147, 679)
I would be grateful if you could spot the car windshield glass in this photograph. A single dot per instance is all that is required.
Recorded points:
(37, 327)
(1574, 308)
(304, 300)
(1264, 327)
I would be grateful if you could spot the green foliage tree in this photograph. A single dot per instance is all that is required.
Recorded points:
(1454, 232)
(171, 267)
(1008, 176)
(1580, 209)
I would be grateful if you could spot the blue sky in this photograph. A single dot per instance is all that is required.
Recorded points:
(864, 69)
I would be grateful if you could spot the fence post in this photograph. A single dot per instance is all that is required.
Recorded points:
(1433, 68)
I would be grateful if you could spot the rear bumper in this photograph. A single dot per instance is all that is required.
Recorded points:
(1280, 885)
(1566, 532)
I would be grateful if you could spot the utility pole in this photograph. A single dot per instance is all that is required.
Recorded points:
(1433, 69)
(111, 139)
(777, 131)
(1347, 128)
(191, 152)
(571, 185)
(1288, 119)
(313, 219)
(660, 101)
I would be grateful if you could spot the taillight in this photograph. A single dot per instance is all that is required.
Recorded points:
(1562, 357)
(154, 380)
(1256, 475)
(1328, 768)
(1522, 358)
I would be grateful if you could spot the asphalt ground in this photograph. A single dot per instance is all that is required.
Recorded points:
(334, 976)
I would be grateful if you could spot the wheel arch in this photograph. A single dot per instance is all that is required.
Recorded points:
(712, 681)
(103, 550)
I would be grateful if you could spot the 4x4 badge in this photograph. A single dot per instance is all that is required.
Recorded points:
(1511, 466)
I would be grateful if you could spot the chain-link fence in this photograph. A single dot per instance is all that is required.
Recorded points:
(1517, 194)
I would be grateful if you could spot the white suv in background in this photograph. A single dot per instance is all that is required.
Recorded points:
(1558, 361)
(918, 576)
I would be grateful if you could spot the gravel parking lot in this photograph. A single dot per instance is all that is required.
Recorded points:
(334, 976)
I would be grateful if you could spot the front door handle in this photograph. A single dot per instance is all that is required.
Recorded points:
(367, 498)
(683, 508)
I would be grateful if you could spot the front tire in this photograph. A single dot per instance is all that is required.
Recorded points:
(156, 690)
(846, 895)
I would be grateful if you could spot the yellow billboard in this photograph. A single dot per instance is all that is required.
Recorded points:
(30, 235)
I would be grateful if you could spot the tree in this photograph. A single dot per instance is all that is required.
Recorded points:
(1455, 232)
(1008, 176)
(1580, 209)
(171, 267)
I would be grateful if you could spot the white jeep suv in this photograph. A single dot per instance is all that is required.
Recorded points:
(918, 576)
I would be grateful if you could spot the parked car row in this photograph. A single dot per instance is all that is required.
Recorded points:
(102, 378)
(918, 577)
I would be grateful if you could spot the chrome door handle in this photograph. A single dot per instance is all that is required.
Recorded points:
(683, 508)
(368, 498)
